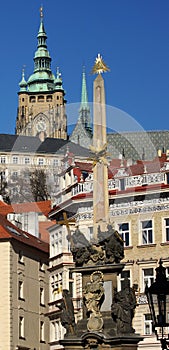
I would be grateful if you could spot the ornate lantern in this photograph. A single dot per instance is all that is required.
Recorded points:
(158, 300)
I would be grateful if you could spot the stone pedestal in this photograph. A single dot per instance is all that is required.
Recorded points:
(110, 272)
(97, 341)
(100, 331)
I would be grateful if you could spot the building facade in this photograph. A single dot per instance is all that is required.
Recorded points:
(21, 156)
(138, 209)
(24, 289)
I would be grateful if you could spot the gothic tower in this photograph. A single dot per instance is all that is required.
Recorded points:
(41, 102)
(84, 111)
(82, 132)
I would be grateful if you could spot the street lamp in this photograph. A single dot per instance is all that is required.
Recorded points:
(158, 300)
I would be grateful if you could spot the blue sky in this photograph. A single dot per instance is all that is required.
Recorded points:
(131, 35)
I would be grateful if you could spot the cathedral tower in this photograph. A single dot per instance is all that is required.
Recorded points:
(82, 132)
(41, 102)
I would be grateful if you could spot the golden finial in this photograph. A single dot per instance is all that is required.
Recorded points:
(99, 66)
(41, 12)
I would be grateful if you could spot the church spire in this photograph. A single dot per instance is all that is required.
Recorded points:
(84, 98)
(42, 78)
(42, 58)
(84, 112)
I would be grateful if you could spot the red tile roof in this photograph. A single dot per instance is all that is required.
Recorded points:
(10, 231)
(38, 207)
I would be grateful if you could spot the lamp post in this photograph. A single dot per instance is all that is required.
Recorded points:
(158, 300)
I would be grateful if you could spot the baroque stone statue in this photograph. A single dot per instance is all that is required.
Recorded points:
(93, 298)
(67, 313)
(108, 248)
(123, 306)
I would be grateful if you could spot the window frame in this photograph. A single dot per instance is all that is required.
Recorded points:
(164, 230)
(121, 278)
(21, 257)
(148, 277)
(3, 159)
(42, 296)
(21, 327)
(41, 161)
(27, 160)
(147, 231)
(42, 331)
(148, 322)
(15, 160)
(21, 290)
(123, 233)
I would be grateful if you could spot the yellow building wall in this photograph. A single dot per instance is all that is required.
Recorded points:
(12, 307)
(5, 296)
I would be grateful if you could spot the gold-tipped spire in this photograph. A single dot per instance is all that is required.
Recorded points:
(99, 66)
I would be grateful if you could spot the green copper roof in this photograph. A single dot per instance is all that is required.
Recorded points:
(84, 98)
(42, 78)
(23, 83)
(84, 112)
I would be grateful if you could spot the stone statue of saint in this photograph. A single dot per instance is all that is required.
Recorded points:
(67, 313)
(93, 298)
(123, 306)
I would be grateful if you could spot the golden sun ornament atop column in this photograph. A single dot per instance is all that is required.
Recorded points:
(99, 66)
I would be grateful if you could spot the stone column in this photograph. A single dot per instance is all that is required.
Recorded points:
(100, 171)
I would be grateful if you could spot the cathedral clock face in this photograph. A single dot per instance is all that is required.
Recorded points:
(41, 124)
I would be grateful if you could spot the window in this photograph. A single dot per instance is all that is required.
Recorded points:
(122, 276)
(41, 266)
(21, 327)
(25, 222)
(49, 98)
(56, 243)
(15, 160)
(56, 286)
(90, 233)
(166, 224)
(124, 233)
(147, 324)
(42, 333)
(32, 99)
(40, 161)
(122, 184)
(148, 277)
(41, 98)
(147, 232)
(42, 300)
(3, 159)
(20, 290)
(58, 332)
(55, 162)
(27, 160)
(21, 257)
